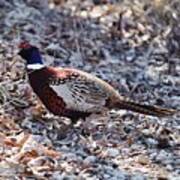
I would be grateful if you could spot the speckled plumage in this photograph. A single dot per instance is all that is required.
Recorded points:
(83, 93)
(74, 93)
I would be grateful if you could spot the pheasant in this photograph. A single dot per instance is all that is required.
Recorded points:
(74, 93)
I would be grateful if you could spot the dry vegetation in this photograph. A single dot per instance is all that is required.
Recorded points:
(132, 44)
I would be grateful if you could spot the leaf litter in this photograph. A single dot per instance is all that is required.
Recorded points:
(133, 45)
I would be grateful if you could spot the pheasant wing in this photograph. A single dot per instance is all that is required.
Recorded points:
(79, 91)
(91, 91)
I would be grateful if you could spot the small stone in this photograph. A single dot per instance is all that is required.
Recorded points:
(90, 160)
(163, 156)
(169, 167)
(138, 177)
(107, 176)
(84, 14)
(112, 152)
(146, 132)
(151, 142)
(97, 11)
(142, 159)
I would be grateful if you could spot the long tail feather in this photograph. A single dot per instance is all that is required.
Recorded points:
(146, 109)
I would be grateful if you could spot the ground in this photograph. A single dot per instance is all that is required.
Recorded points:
(133, 45)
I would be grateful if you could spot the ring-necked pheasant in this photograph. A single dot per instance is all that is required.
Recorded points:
(74, 93)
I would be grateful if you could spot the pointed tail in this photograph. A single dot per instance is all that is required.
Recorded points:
(146, 109)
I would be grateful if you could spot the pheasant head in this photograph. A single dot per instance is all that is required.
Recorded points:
(30, 53)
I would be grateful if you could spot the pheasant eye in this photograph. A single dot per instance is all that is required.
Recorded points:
(24, 45)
